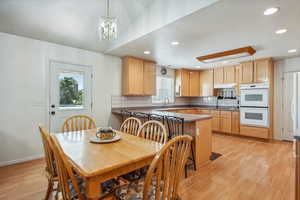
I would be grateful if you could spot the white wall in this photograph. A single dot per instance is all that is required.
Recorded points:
(23, 93)
(281, 67)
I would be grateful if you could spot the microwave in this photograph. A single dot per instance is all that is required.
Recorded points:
(254, 95)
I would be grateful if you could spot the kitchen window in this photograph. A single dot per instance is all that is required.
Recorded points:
(164, 90)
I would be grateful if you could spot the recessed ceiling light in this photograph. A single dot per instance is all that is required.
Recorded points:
(271, 11)
(147, 52)
(175, 43)
(281, 31)
(292, 50)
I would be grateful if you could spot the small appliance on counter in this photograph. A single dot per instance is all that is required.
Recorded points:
(254, 104)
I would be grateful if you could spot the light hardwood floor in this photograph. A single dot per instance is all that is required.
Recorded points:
(248, 170)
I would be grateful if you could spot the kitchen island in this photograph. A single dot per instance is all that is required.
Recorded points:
(196, 125)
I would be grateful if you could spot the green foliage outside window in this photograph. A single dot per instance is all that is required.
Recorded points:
(69, 92)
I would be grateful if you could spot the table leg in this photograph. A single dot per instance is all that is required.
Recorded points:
(93, 189)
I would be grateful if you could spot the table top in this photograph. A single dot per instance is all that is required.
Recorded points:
(91, 159)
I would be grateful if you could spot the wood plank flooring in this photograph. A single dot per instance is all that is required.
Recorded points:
(248, 170)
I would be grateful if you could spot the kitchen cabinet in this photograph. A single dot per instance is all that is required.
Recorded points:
(235, 122)
(206, 83)
(262, 70)
(225, 121)
(246, 72)
(218, 76)
(138, 77)
(229, 74)
(149, 78)
(216, 120)
(252, 131)
(194, 83)
(187, 83)
(237, 79)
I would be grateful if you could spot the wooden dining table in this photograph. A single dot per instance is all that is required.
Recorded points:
(97, 163)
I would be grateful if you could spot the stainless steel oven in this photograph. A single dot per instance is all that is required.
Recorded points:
(254, 95)
(251, 116)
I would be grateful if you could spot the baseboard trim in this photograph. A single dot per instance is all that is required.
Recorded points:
(12, 162)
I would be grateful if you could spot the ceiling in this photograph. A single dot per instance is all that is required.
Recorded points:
(69, 22)
(225, 25)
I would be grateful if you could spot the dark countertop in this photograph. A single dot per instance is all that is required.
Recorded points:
(163, 110)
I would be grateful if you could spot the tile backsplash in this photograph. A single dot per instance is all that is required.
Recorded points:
(214, 101)
(140, 101)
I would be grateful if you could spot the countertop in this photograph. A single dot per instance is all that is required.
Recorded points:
(164, 111)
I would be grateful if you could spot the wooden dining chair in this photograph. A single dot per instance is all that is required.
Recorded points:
(68, 183)
(78, 123)
(154, 130)
(164, 174)
(175, 127)
(131, 125)
(50, 163)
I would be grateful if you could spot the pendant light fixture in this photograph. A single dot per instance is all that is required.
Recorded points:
(108, 26)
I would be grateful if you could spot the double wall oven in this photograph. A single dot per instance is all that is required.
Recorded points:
(254, 104)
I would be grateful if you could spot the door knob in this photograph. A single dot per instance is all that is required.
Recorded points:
(52, 106)
(52, 112)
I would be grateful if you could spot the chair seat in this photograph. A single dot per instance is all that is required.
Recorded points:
(134, 191)
(107, 187)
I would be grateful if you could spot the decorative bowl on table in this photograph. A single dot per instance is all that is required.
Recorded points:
(105, 135)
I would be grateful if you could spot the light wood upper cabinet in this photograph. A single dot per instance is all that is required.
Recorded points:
(187, 83)
(262, 70)
(138, 77)
(246, 72)
(194, 83)
(237, 79)
(182, 83)
(218, 76)
(206, 82)
(229, 74)
(149, 78)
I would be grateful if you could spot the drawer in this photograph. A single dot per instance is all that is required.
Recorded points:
(215, 113)
(204, 111)
(225, 114)
(254, 132)
(236, 114)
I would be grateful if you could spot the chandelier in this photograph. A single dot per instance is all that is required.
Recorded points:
(108, 26)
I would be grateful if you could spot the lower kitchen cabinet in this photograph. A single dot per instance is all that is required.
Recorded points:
(216, 124)
(235, 123)
(258, 132)
(225, 125)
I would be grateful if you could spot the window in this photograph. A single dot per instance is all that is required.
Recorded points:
(71, 89)
(164, 90)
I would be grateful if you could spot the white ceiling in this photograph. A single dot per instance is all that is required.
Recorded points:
(69, 22)
(225, 25)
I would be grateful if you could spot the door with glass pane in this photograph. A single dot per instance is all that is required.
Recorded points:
(70, 92)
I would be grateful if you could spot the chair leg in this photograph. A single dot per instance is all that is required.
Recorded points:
(193, 157)
(49, 189)
(186, 171)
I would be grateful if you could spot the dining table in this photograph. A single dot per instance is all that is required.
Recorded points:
(97, 163)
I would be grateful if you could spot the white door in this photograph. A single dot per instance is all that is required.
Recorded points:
(70, 92)
(290, 105)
